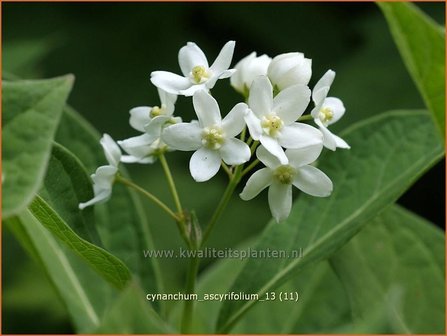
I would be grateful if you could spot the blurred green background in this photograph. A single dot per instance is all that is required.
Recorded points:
(112, 48)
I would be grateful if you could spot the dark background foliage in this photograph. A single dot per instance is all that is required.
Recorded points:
(112, 48)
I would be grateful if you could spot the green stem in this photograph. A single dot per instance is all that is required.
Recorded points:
(253, 147)
(171, 183)
(305, 117)
(222, 204)
(188, 308)
(147, 194)
(250, 167)
(227, 170)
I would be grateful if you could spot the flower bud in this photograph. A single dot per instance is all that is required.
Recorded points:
(248, 69)
(289, 69)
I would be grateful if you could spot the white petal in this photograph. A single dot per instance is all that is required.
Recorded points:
(267, 158)
(204, 164)
(261, 96)
(324, 82)
(313, 181)
(226, 74)
(183, 136)
(328, 138)
(289, 69)
(337, 108)
(111, 150)
(253, 124)
(134, 159)
(299, 135)
(318, 98)
(274, 148)
(209, 84)
(280, 200)
(168, 100)
(138, 146)
(299, 74)
(166, 97)
(257, 182)
(291, 103)
(235, 152)
(234, 122)
(100, 197)
(207, 109)
(139, 117)
(224, 58)
(304, 156)
(257, 67)
(170, 82)
(238, 79)
(340, 142)
(104, 176)
(154, 127)
(193, 89)
(190, 56)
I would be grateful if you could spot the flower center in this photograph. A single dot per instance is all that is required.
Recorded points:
(284, 174)
(157, 111)
(199, 74)
(271, 124)
(326, 115)
(213, 137)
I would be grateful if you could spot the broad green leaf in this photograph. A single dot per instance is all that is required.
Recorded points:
(388, 153)
(132, 314)
(400, 251)
(31, 113)
(421, 42)
(107, 265)
(66, 184)
(45, 248)
(121, 221)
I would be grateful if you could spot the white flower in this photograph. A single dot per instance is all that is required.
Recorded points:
(104, 176)
(212, 138)
(272, 120)
(151, 119)
(280, 178)
(142, 149)
(197, 74)
(327, 111)
(247, 69)
(289, 69)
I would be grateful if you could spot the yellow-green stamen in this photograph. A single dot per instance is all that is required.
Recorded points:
(284, 174)
(213, 137)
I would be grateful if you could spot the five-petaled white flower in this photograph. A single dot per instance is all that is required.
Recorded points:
(150, 120)
(212, 138)
(327, 111)
(197, 74)
(289, 69)
(280, 178)
(104, 176)
(272, 121)
(247, 69)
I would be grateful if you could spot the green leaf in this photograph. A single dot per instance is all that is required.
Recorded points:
(66, 184)
(399, 251)
(131, 314)
(59, 268)
(121, 221)
(421, 43)
(388, 153)
(31, 113)
(107, 265)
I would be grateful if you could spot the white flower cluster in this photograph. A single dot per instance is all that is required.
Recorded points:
(277, 95)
